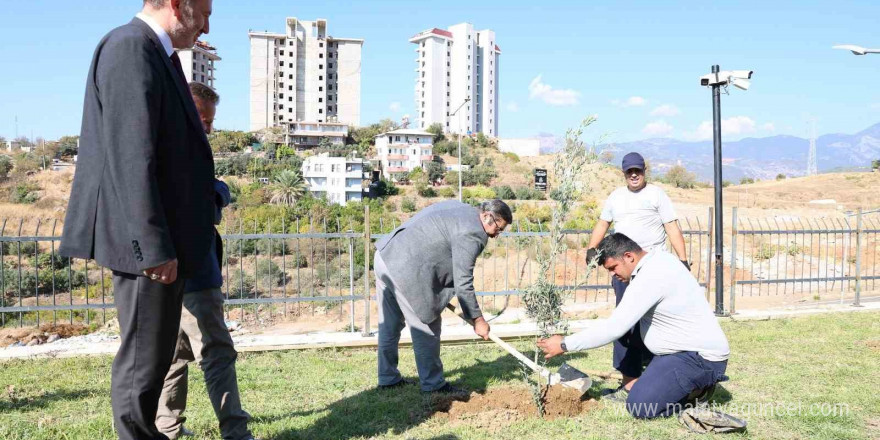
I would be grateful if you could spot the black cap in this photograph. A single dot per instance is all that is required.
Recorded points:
(633, 160)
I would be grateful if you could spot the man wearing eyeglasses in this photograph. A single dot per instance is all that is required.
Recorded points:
(419, 267)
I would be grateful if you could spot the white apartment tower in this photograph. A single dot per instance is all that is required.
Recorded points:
(451, 66)
(304, 75)
(198, 63)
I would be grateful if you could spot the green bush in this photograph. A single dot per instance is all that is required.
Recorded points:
(240, 284)
(512, 156)
(269, 274)
(504, 192)
(680, 177)
(528, 193)
(407, 205)
(12, 248)
(478, 193)
(25, 193)
(427, 191)
(446, 192)
(746, 180)
(780, 176)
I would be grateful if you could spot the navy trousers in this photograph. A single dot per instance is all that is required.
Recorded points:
(629, 352)
(663, 388)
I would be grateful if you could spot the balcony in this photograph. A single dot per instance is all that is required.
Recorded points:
(397, 169)
(354, 174)
(427, 157)
(398, 157)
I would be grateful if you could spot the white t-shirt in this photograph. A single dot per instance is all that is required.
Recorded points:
(640, 215)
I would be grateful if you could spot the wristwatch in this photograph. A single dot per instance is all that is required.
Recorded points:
(562, 346)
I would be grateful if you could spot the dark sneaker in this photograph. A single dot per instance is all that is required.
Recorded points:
(399, 384)
(450, 389)
(616, 395)
(701, 396)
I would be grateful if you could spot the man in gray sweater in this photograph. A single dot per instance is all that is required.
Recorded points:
(419, 267)
(677, 326)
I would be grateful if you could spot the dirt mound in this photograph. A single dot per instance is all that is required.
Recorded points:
(872, 343)
(500, 407)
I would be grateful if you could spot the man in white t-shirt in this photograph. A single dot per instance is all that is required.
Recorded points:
(645, 214)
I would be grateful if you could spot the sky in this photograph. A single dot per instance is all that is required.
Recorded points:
(634, 64)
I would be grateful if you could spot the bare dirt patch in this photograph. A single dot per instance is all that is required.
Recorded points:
(44, 333)
(501, 407)
(872, 343)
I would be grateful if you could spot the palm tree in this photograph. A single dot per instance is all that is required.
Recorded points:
(287, 189)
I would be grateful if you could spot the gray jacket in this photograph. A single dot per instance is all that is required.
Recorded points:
(431, 257)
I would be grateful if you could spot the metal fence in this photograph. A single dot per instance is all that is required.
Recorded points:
(306, 268)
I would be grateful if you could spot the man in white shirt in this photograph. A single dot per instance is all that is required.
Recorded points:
(689, 349)
(645, 214)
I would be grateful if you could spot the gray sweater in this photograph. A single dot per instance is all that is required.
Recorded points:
(669, 304)
(431, 258)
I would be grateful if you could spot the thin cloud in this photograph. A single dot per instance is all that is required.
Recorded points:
(658, 128)
(395, 107)
(666, 111)
(551, 96)
(735, 126)
(632, 101)
(512, 106)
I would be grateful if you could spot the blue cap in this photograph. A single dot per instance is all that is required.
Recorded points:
(633, 160)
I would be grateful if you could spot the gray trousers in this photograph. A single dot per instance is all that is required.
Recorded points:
(203, 337)
(394, 313)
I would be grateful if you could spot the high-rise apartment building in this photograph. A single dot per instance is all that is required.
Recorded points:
(451, 66)
(198, 63)
(304, 75)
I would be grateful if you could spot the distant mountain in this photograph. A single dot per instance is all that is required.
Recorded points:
(760, 158)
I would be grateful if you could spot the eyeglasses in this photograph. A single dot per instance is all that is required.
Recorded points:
(494, 220)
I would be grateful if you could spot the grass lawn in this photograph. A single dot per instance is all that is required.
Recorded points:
(789, 371)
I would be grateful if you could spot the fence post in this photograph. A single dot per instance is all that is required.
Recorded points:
(857, 302)
(351, 279)
(366, 330)
(709, 255)
(733, 263)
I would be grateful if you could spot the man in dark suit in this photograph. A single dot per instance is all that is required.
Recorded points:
(142, 199)
(419, 267)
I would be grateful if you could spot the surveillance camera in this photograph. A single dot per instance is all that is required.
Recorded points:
(742, 74)
(742, 84)
(713, 79)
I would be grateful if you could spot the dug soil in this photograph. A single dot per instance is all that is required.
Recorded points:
(500, 407)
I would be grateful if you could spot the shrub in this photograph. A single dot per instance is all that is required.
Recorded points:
(527, 193)
(25, 193)
(12, 247)
(427, 191)
(269, 274)
(504, 192)
(746, 180)
(240, 283)
(478, 192)
(780, 176)
(407, 205)
(512, 156)
(446, 192)
(680, 177)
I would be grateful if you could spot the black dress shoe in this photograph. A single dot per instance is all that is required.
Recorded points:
(399, 384)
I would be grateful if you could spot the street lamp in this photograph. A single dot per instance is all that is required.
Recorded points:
(716, 80)
(856, 50)
(460, 170)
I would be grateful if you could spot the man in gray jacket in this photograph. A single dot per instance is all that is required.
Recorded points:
(419, 267)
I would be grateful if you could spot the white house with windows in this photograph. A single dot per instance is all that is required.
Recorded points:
(339, 179)
(402, 150)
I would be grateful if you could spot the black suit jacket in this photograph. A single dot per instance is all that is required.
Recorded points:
(143, 189)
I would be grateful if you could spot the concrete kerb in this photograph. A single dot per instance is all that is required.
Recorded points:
(453, 334)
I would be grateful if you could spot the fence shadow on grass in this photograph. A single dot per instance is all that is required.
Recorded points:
(14, 403)
(374, 412)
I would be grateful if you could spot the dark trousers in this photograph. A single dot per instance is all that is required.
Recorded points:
(663, 388)
(629, 353)
(149, 318)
